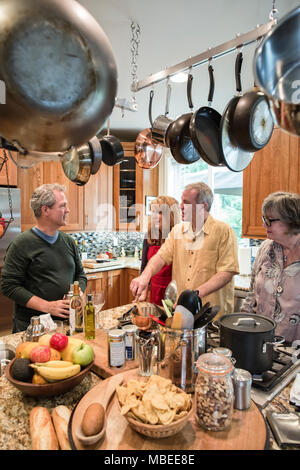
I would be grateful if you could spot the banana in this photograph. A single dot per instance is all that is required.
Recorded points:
(54, 364)
(54, 374)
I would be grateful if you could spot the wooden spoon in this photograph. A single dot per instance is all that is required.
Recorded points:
(103, 400)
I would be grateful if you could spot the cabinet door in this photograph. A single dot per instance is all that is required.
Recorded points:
(12, 170)
(98, 200)
(274, 168)
(97, 283)
(129, 274)
(28, 181)
(53, 173)
(114, 288)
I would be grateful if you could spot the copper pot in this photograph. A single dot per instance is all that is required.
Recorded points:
(147, 153)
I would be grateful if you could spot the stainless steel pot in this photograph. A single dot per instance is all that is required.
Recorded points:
(277, 71)
(178, 352)
(59, 72)
(77, 164)
(251, 339)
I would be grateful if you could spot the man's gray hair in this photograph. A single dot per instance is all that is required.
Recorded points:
(44, 196)
(204, 194)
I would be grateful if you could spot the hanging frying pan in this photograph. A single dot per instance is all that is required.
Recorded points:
(112, 150)
(146, 153)
(162, 122)
(178, 136)
(204, 127)
(252, 122)
(235, 158)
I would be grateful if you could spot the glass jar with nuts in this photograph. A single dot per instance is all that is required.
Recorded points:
(214, 392)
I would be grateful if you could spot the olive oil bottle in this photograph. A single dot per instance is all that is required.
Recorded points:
(76, 311)
(89, 318)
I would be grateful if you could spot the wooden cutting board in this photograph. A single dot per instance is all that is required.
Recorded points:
(248, 430)
(100, 347)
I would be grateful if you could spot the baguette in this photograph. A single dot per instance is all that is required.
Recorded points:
(60, 416)
(42, 432)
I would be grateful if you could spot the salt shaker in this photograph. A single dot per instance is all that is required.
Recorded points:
(242, 381)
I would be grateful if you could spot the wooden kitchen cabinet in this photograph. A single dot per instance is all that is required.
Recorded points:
(115, 288)
(12, 170)
(111, 282)
(274, 168)
(131, 184)
(28, 181)
(98, 200)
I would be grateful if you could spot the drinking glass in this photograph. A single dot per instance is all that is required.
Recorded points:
(98, 301)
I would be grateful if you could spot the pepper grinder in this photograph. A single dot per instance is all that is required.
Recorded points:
(34, 330)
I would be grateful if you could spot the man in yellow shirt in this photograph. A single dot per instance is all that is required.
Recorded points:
(202, 250)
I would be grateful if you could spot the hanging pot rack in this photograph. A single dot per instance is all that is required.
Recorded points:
(212, 53)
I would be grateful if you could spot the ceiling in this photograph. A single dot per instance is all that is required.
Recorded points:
(172, 31)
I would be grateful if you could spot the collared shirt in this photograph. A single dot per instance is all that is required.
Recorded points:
(197, 257)
(275, 290)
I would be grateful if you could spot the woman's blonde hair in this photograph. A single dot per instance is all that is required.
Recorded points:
(169, 207)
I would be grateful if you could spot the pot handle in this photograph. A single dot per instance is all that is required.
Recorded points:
(246, 321)
(278, 340)
(150, 107)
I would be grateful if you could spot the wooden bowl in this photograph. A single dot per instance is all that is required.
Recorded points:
(50, 389)
(158, 431)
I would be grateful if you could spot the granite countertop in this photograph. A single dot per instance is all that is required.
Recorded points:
(15, 407)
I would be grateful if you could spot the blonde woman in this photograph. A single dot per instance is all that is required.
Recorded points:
(165, 214)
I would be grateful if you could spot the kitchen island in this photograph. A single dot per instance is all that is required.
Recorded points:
(15, 407)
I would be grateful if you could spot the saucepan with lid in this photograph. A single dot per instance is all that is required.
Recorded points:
(277, 71)
(250, 338)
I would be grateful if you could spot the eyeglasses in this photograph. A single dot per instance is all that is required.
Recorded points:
(268, 221)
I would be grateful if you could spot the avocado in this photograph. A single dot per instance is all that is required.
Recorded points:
(20, 370)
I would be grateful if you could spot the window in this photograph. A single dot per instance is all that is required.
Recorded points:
(226, 185)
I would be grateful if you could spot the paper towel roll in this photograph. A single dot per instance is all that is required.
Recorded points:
(245, 260)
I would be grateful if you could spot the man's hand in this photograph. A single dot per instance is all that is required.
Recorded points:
(59, 308)
(139, 287)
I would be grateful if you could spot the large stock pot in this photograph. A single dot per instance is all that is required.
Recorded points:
(251, 339)
(59, 72)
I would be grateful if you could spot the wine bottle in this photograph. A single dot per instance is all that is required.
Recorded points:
(89, 318)
(76, 311)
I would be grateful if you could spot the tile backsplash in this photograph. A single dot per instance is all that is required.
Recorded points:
(99, 242)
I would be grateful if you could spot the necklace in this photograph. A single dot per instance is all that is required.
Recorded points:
(284, 258)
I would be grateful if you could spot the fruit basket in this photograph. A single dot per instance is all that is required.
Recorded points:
(49, 389)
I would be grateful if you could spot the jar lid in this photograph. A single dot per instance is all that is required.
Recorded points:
(130, 328)
(242, 375)
(224, 351)
(116, 333)
(214, 364)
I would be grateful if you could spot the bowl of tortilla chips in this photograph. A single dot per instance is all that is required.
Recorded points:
(155, 408)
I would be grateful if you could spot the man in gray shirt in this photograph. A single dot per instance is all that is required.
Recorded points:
(42, 262)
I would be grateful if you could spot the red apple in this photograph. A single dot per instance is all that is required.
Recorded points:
(40, 353)
(59, 341)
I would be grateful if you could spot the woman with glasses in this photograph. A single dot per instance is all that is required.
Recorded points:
(164, 215)
(275, 278)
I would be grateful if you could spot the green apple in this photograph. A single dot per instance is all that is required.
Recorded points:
(83, 354)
